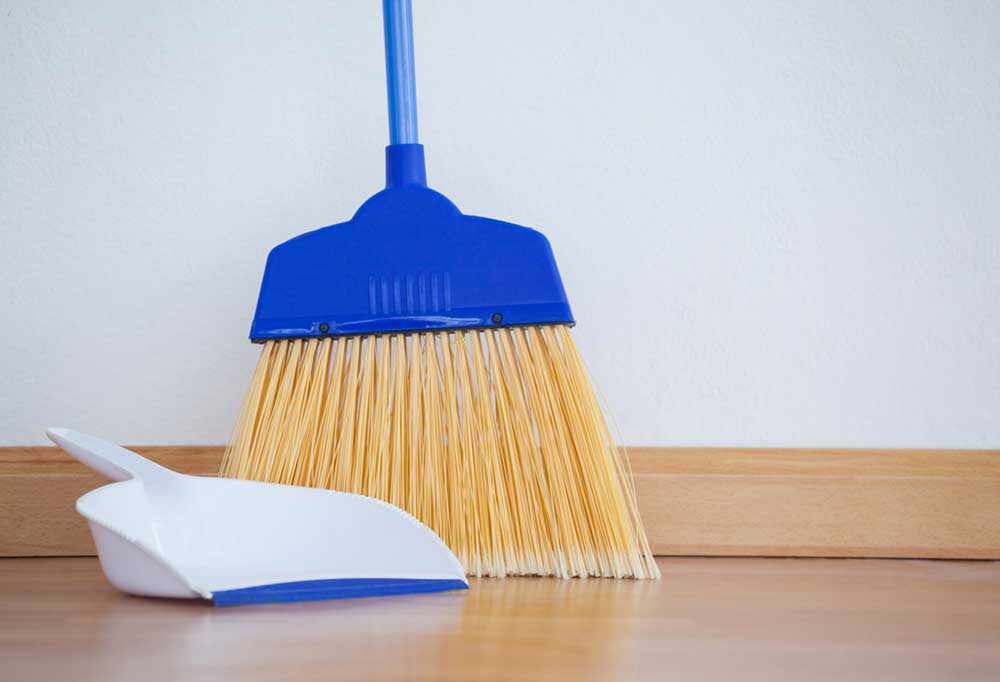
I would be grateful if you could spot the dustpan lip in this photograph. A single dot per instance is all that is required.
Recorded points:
(333, 588)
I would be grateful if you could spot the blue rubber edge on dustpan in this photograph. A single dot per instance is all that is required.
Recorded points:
(340, 588)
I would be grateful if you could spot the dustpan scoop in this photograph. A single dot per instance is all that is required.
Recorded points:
(164, 534)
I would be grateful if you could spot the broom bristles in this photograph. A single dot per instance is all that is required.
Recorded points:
(493, 438)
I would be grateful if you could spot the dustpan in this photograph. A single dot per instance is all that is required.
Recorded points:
(163, 534)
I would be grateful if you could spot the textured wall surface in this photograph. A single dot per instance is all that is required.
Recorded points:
(779, 222)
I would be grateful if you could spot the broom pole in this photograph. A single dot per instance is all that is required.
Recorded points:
(404, 157)
(400, 77)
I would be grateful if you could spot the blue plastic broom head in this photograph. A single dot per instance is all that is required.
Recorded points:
(409, 261)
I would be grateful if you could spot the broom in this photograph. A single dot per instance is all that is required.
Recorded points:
(422, 356)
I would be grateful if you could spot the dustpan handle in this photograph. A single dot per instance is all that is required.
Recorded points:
(400, 78)
(109, 459)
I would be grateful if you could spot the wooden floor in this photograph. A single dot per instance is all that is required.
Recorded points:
(725, 619)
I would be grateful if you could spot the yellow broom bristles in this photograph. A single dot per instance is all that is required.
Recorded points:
(493, 438)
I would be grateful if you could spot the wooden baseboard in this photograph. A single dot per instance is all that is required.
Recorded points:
(694, 501)
(820, 503)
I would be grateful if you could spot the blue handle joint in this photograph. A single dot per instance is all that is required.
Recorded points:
(404, 165)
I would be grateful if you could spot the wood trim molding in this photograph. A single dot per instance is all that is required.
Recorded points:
(694, 501)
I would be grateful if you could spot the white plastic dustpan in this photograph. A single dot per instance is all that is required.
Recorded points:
(163, 534)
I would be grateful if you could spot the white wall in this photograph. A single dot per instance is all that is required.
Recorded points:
(779, 222)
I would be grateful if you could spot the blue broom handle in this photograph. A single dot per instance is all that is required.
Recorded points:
(400, 79)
